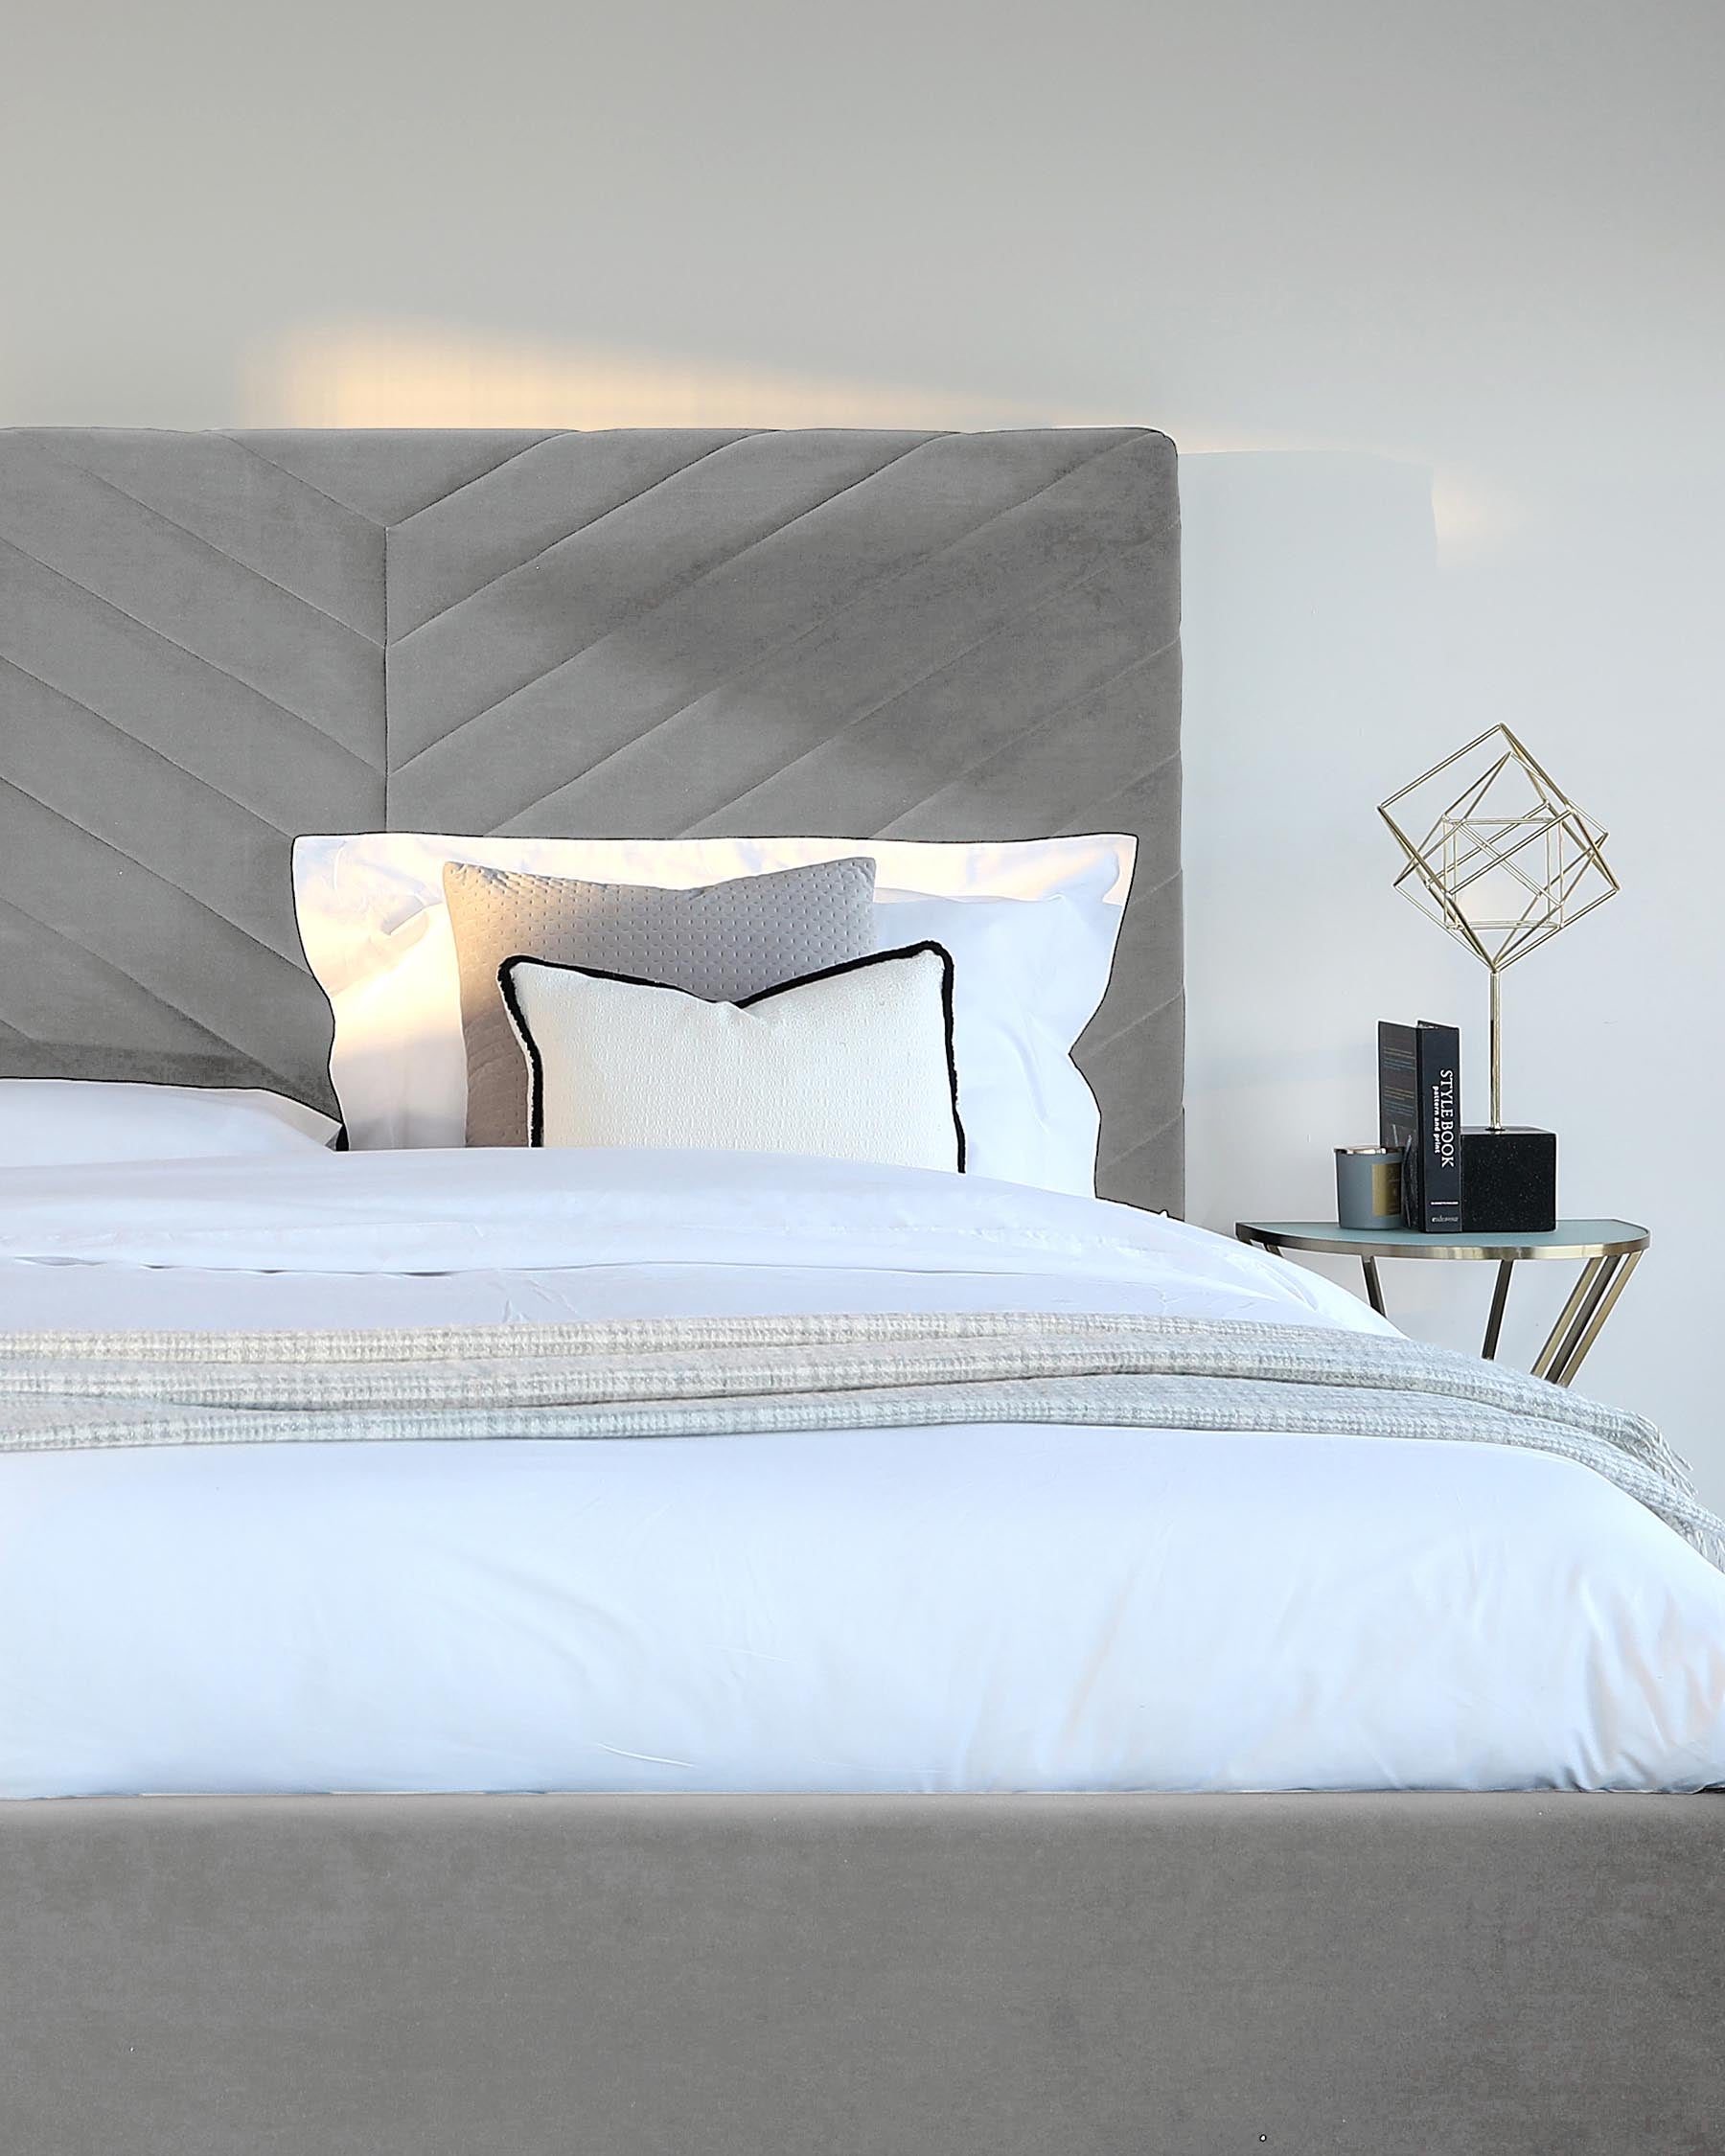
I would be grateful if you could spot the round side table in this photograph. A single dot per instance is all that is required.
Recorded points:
(1608, 1250)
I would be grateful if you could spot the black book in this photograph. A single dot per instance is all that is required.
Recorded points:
(1419, 1114)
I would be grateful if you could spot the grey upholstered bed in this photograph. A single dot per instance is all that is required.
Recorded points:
(209, 643)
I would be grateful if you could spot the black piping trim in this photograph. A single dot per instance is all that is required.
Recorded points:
(536, 1076)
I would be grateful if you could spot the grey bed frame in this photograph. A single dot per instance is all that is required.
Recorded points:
(210, 642)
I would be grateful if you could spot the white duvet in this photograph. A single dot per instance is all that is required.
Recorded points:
(987, 1607)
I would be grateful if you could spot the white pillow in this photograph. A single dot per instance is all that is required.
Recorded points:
(1027, 977)
(1030, 923)
(76, 1122)
(851, 1064)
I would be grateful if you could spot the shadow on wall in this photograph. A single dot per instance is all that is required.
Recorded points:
(1311, 633)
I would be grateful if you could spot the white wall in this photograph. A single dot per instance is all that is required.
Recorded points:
(1384, 252)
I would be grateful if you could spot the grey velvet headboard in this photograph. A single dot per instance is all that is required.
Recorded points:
(210, 643)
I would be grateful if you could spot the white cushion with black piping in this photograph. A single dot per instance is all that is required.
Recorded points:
(852, 1063)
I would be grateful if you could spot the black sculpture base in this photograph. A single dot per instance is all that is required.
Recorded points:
(1508, 1180)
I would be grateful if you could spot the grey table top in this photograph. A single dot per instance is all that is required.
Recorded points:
(1569, 1239)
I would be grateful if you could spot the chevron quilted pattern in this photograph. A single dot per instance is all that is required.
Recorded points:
(190, 672)
(209, 643)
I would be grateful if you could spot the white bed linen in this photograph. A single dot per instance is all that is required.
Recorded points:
(984, 1608)
(76, 1122)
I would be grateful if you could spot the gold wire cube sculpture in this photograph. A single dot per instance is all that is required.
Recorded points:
(1503, 863)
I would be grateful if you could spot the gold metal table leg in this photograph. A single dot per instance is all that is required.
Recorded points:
(1374, 1287)
(1500, 1296)
(1602, 1271)
(1603, 1304)
(1567, 1318)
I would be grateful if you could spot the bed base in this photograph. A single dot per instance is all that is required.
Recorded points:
(452, 1976)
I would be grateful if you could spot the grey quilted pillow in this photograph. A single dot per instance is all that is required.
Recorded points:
(723, 942)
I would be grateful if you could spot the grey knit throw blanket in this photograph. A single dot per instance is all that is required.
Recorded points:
(710, 1377)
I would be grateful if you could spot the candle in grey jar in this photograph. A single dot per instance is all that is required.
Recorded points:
(1368, 1186)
